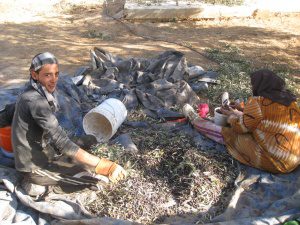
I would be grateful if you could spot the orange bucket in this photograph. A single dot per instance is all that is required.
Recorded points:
(5, 139)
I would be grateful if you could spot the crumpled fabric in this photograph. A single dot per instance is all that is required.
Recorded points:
(160, 82)
(95, 221)
(263, 198)
(11, 211)
(19, 209)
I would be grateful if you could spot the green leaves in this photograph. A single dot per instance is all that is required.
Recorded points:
(235, 69)
(234, 73)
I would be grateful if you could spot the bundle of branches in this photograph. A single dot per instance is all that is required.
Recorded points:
(168, 176)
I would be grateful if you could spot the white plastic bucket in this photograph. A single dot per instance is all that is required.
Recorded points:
(104, 120)
(220, 119)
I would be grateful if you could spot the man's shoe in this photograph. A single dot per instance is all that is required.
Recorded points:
(33, 190)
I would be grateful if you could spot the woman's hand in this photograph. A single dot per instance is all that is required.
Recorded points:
(236, 105)
(229, 111)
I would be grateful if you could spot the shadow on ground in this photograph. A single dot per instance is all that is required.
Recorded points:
(71, 36)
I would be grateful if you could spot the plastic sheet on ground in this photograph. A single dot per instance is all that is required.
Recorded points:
(156, 84)
(263, 198)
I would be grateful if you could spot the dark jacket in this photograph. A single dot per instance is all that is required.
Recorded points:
(34, 129)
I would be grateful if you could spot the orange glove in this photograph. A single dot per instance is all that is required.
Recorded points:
(110, 169)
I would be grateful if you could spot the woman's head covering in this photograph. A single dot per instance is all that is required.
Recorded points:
(42, 59)
(267, 84)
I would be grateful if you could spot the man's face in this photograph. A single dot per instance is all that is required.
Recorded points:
(47, 76)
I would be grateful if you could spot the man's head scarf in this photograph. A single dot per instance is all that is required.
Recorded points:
(42, 59)
(37, 63)
(269, 85)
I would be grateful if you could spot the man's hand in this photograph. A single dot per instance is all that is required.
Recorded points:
(118, 174)
(110, 169)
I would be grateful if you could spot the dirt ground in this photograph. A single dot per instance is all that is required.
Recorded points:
(265, 39)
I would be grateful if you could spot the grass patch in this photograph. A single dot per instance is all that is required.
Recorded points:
(233, 72)
(234, 75)
(95, 34)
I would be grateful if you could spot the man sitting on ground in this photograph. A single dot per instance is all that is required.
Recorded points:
(39, 142)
